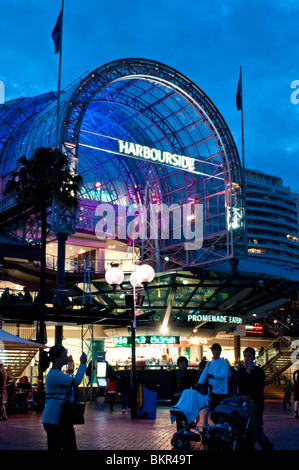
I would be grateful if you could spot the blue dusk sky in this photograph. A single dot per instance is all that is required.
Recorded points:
(206, 40)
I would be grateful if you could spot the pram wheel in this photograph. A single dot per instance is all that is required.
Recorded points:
(177, 442)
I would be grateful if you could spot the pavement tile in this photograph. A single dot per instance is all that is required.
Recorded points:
(116, 431)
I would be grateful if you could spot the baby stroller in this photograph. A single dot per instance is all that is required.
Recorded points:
(186, 413)
(231, 429)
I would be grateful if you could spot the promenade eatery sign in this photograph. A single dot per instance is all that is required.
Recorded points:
(214, 318)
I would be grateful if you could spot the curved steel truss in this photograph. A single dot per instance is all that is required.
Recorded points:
(148, 104)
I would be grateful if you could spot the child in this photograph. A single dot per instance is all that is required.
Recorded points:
(288, 390)
(111, 389)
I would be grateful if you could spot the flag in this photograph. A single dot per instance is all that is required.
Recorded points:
(56, 33)
(239, 93)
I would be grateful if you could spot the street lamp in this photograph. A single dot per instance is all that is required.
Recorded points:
(143, 275)
(114, 277)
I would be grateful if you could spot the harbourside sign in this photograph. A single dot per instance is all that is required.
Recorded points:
(214, 318)
(148, 153)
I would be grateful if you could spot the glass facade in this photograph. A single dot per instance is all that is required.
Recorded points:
(146, 105)
(139, 132)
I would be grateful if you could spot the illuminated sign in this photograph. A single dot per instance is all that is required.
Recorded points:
(148, 153)
(164, 339)
(256, 329)
(126, 340)
(122, 341)
(214, 318)
(235, 217)
(196, 341)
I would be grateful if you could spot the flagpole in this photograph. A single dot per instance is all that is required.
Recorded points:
(242, 122)
(243, 165)
(61, 237)
(59, 78)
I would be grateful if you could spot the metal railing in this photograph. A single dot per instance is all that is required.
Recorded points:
(72, 265)
(282, 343)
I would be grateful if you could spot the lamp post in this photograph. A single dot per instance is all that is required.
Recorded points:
(143, 275)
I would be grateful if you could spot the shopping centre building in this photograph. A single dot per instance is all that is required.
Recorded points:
(163, 185)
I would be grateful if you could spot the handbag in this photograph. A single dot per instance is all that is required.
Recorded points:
(72, 412)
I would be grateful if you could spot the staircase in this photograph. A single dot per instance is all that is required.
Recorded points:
(277, 365)
(16, 361)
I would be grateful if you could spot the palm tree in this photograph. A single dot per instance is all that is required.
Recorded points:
(40, 180)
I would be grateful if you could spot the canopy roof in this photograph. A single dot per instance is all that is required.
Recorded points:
(9, 341)
(213, 299)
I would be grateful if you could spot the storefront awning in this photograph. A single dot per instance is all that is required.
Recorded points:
(9, 341)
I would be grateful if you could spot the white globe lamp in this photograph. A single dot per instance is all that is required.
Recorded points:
(114, 277)
(135, 280)
(145, 274)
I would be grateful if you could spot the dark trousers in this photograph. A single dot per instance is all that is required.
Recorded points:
(125, 398)
(216, 399)
(111, 400)
(287, 398)
(60, 437)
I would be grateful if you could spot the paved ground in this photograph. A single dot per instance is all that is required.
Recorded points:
(115, 431)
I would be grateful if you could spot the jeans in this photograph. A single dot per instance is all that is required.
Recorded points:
(125, 397)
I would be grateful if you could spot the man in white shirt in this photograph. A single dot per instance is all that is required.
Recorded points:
(216, 373)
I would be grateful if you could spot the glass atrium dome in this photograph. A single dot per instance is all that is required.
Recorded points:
(139, 132)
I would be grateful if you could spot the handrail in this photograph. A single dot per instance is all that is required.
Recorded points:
(98, 265)
(278, 321)
(279, 339)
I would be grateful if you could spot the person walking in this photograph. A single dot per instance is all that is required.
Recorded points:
(70, 367)
(250, 388)
(111, 389)
(288, 390)
(125, 390)
(58, 384)
(216, 374)
(296, 391)
(3, 381)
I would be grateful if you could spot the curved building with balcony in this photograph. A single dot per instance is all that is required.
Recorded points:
(272, 219)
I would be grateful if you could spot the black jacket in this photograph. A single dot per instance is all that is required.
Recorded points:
(181, 381)
(252, 384)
